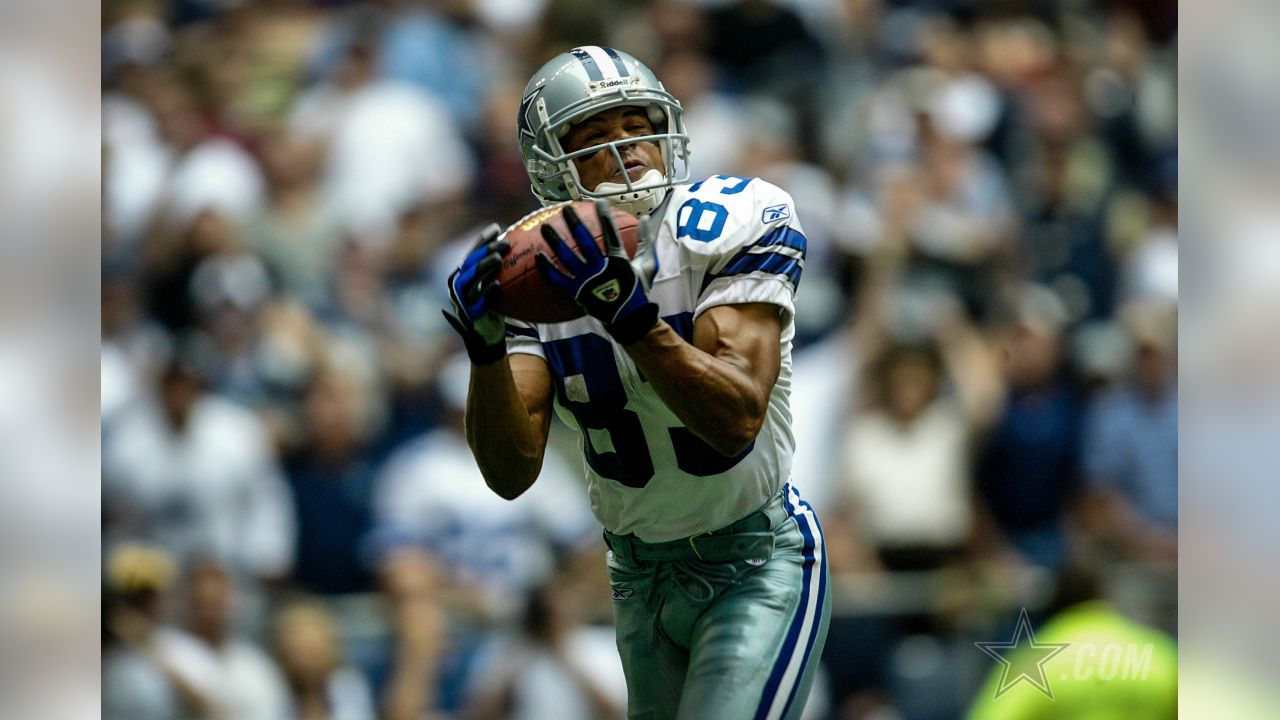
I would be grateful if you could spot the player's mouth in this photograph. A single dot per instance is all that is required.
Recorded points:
(635, 170)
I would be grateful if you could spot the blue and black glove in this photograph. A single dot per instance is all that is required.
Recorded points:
(606, 286)
(472, 290)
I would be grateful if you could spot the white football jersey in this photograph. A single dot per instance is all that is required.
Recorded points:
(722, 241)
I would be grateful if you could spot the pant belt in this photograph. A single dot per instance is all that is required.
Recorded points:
(749, 538)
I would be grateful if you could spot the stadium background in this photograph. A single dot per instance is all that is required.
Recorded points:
(985, 399)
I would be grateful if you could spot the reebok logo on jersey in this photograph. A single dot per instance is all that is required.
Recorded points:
(623, 593)
(757, 562)
(608, 292)
(774, 213)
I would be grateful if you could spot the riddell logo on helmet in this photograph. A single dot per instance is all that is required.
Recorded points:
(606, 84)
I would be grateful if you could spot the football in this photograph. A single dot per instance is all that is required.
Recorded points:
(526, 294)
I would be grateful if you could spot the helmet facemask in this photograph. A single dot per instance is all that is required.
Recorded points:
(555, 175)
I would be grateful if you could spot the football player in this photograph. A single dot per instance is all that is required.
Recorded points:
(677, 379)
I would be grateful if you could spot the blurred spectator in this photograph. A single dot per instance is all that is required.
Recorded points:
(715, 121)
(1131, 445)
(908, 454)
(1153, 260)
(228, 292)
(410, 582)
(159, 671)
(1028, 473)
(131, 343)
(559, 666)
(310, 654)
(134, 171)
(906, 496)
(963, 221)
(825, 388)
(139, 681)
(134, 33)
(297, 232)
(418, 341)
(962, 105)
(490, 550)
(172, 257)
(332, 475)
(502, 185)
(1068, 184)
(432, 46)
(274, 367)
(192, 472)
(236, 675)
(566, 24)
(763, 45)
(209, 171)
(387, 145)
(1131, 92)
(772, 151)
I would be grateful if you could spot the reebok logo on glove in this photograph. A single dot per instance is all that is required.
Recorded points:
(608, 292)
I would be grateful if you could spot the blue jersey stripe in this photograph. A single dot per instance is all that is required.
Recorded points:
(773, 262)
(523, 332)
(588, 62)
(784, 236)
(770, 261)
(682, 323)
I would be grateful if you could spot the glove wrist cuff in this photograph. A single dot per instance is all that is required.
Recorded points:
(635, 325)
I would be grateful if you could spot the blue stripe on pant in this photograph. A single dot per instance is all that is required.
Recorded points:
(807, 627)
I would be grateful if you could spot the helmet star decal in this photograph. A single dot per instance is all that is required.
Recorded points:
(525, 121)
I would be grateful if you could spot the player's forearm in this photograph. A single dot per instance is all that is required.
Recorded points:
(501, 431)
(716, 399)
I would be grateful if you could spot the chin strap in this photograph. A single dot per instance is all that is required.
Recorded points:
(638, 202)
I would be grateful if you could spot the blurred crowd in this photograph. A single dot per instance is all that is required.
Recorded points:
(985, 392)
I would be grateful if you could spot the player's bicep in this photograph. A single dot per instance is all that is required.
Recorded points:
(532, 379)
(747, 336)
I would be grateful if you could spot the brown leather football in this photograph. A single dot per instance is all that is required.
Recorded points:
(526, 294)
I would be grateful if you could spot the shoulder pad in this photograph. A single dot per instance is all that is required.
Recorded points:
(717, 217)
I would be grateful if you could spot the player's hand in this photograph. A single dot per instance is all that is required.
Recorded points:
(606, 286)
(645, 262)
(472, 288)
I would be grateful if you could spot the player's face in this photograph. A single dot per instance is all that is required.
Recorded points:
(607, 126)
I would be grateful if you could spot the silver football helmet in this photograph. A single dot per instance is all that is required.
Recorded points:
(576, 85)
